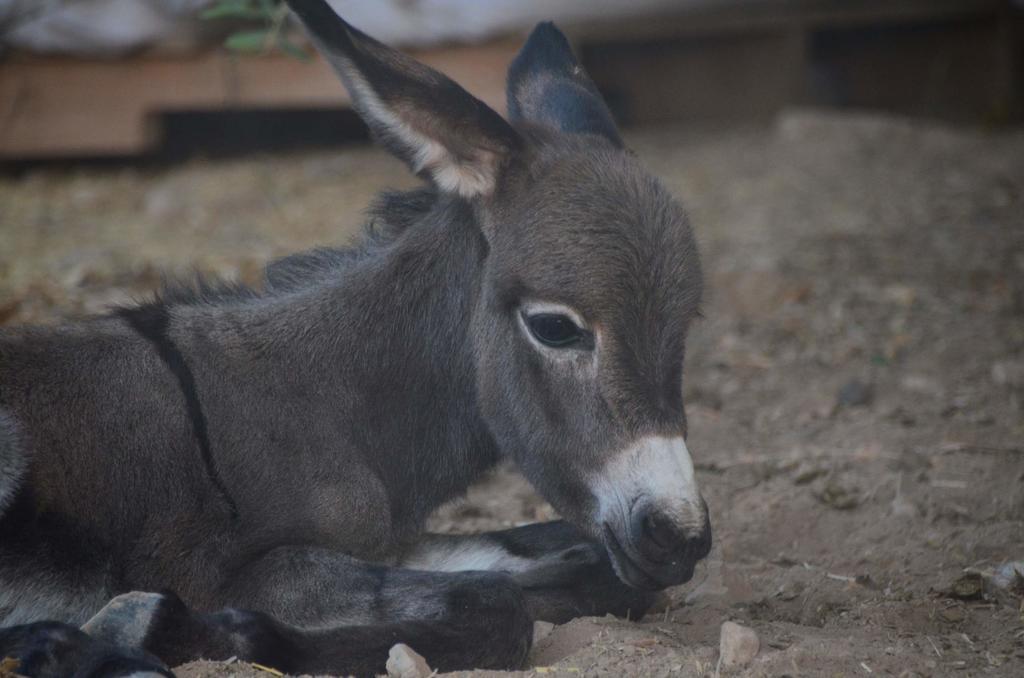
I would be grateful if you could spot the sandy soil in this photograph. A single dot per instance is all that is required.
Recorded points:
(856, 393)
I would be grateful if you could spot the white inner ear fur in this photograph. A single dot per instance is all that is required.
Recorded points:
(657, 468)
(451, 174)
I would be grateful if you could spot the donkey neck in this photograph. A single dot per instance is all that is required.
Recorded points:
(392, 346)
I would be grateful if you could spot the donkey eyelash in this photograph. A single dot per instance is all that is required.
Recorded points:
(536, 308)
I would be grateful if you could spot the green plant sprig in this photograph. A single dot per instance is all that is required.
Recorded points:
(270, 15)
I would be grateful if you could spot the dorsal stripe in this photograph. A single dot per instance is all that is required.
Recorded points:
(151, 321)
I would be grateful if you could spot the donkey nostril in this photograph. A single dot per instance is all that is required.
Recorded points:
(661, 533)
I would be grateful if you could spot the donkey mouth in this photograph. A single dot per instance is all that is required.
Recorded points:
(633, 571)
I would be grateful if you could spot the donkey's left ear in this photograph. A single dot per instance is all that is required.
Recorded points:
(418, 114)
(547, 86)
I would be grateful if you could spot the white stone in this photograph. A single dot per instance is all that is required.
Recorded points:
(1008, 373)
(1006, 577)
(404, 662)
(738, 645)
(541, 630)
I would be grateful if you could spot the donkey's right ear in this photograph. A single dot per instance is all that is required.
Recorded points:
(547, 86)
(420, 115)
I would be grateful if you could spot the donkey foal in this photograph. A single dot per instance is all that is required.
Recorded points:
(275, 454)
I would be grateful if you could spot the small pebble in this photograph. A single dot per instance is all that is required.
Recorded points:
(1011, 577)
(808, 474)
(903, 508)
(968, 586)
(541, 630)
(738, 645)
(790, 591)
(839, 497)
(404, 662)
(1008, 373)
(855, 393)
(953, 615)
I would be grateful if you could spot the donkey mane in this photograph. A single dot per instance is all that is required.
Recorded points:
(389, 216)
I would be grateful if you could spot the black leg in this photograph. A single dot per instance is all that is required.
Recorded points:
(55, 650)
(456, 621)
(563, 574)
(304, 609)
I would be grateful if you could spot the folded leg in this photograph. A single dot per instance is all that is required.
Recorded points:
(562, 573)
(309, 610)
(56, 650)
(455, 620)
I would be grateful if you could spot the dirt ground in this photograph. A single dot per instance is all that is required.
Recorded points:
(855, 393)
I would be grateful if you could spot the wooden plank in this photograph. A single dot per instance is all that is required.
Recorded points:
(742, 17)
(64, 106)
(746, 61)
(52, 107)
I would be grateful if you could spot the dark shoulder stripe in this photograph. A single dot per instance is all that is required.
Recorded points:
(151, 321)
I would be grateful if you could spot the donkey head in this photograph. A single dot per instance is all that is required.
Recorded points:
(589, 285)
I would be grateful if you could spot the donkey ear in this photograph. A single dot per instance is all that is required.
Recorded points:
(418, 114)
(546, 85)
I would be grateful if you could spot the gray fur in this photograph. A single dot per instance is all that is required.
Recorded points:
(279, 450)
(13, 461)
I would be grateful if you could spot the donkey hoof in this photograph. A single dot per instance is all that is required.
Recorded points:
(127, 619)
(55, 650)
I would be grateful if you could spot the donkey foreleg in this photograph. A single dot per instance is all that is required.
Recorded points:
(456, 620)
(562, 573)
(57, 650)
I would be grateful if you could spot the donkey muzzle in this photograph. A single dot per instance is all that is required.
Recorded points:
(659, 539)
(654, 523)
(654, 552)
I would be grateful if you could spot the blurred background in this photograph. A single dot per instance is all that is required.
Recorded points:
(128, 77)
(854, 170)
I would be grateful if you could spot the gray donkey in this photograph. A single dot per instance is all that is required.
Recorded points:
(271, 456)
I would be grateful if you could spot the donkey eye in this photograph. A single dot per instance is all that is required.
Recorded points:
(555, 330)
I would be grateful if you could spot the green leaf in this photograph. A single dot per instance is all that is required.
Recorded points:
(232, 9)
(293, 50)
(247, 41)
